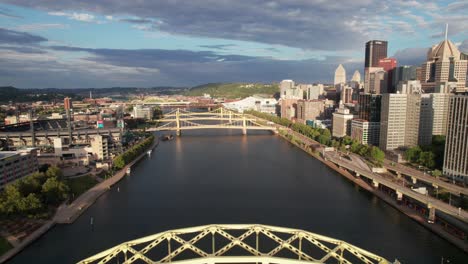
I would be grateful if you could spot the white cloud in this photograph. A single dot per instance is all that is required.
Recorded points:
(37, 27)
(109, 17)
(75, 16)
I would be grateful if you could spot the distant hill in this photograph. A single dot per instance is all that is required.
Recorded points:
(233, 90)
(9, 93)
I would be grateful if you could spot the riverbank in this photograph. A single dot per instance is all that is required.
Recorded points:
(389, 200)
(67, 214)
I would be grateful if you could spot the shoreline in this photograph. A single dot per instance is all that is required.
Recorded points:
(68, 214)
(385, 198)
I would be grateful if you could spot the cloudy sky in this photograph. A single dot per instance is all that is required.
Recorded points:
(145, 43)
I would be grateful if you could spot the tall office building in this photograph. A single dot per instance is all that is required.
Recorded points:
(399, 122)
(403, 73)
(67, 103)
(375, 50)
(369, 107)
(388, 64)
(425, 120)
(445, 64)
(340, 75)
(356, 77)
(456, 145)
(440, 103)
(289, 90)
(342, 122)
(347, 94)
(314, 92)
(377, 81)
(365, 132)
(367, 78)
(308, 110)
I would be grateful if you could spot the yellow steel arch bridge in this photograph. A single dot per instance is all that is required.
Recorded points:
(235, 244)
(221, 118)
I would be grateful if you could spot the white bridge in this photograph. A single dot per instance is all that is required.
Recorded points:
(220, 118)
(235, 244)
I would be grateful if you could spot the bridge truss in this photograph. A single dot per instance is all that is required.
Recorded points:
(220, 118)
(235, 244)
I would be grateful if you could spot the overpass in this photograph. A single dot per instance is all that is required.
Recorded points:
(46, 138)
(228, 243)
(432, 203)
(179, 120)
(418, 175)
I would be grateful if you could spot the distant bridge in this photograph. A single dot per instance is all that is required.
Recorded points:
(220, 118)
(212, 244)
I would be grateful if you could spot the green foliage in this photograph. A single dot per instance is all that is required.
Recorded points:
(4, 246)
(31, 195)
(412, 154)
(129, 155)
(436, 173)
(323, 136)
(428, 156)
(54, 191)
(233, 90)
(54, 172)
(377, 155)
(157, 113)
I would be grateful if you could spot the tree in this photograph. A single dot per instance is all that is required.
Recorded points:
(28, 185)
(29, 204)
(412, 154)
(54, 190)
(436, 173)
(377, 155)
(119, 162)
(426, 159)
(54, 171)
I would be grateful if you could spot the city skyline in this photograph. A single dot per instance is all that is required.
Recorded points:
(165, 43)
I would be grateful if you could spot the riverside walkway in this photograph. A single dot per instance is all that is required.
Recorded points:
(68, 214)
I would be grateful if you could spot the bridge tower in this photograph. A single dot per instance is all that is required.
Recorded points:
(178, 132)
(244, 125)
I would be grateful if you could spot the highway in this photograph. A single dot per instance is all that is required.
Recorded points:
(437, 204)
(408, 171)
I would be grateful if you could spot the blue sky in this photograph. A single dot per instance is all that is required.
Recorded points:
(82, 43)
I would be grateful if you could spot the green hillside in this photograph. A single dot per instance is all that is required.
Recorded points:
(233, 90)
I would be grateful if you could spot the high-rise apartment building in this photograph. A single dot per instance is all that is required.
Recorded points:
(456, 145)
(340, 75)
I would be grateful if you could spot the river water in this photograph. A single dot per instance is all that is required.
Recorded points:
(207, 177)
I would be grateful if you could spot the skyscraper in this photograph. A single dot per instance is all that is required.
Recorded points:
(375, 50)
(388, 64)
(445, 65)
(456, 145)
(399, 123)
(356, 77)
(342, 122)
(340, 75)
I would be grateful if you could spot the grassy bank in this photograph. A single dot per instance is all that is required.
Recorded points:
(80, 185)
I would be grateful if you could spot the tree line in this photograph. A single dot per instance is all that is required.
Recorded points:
(324, 137)
(128, 156)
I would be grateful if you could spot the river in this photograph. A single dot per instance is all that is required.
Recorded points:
(207, 177)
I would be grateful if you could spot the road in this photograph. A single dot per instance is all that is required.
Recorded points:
(454, 189)
(437, 204)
